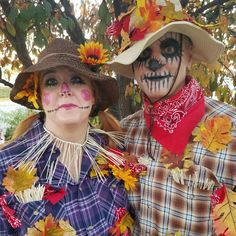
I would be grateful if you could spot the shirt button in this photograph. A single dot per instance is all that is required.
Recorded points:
(36, 213)
(90, 227)
(113, 185)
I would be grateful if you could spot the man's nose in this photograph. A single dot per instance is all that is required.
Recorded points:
(154, 64)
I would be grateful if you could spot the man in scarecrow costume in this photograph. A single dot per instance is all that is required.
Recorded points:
(187, 140)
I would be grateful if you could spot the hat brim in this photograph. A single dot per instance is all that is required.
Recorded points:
(205, 47)
(105, 84)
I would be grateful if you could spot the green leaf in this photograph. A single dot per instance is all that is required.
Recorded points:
(101, 28)
(64, 22)
(103, 10)
(47, 7)
(13, 15)
(22, 24)
(41, 14)
(71, 24)
(108, 19)
(39, 40)
(10, 28)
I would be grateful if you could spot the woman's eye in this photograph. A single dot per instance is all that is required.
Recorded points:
(77, 80)
(51, 82)
(145, 55)
(170, 48)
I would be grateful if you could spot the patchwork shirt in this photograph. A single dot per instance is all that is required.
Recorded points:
(162, 204)
(89, 205)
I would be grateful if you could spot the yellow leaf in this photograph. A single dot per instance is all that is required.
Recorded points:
(214, 133)
(19, 180)
(224, 215)
(68, 230)
(124, 175)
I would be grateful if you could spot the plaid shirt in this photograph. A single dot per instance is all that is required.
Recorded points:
(164, 206)
(89, 205)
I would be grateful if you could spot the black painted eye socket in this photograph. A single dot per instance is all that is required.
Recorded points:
(145, 55)
(77, 80)
(170, 48)
(50, 82)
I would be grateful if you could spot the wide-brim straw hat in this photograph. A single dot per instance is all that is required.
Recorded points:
(61, 52)
(205, 47)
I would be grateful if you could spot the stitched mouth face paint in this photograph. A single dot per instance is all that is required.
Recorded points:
(158, 66)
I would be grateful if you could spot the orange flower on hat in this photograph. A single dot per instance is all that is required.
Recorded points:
(93, 53)
(29, 90)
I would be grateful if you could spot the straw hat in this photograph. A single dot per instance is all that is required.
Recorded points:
(167, 16)
(61, 52)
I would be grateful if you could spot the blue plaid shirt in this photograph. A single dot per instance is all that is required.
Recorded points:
(89, 205)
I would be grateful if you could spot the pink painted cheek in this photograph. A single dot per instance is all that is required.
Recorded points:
(86, 95)
(46, 98)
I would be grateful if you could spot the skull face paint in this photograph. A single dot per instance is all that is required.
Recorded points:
(161, 68)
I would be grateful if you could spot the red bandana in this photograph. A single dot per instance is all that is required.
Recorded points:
(175, 118)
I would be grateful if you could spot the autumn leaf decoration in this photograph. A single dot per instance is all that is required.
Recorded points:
(176, 162)
(19, 180)
(51, 227)
(128, 173)
(223, 203)
(214, 134)
(123, 223)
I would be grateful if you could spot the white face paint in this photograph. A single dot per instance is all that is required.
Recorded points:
(160, 69)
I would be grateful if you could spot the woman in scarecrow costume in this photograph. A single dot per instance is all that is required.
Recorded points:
(59, 176)
(187, 139)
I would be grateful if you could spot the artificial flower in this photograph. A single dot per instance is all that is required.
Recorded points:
(20, 179)
(30, 90)
(92, 53)
(51, 227)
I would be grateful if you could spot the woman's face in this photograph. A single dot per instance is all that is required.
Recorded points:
(160, 70)
(67, 98)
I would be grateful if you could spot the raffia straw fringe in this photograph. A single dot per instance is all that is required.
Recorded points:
(70, 153)
(32, 194)
(181, 178)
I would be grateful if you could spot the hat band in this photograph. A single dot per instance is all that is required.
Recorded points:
(58, 54)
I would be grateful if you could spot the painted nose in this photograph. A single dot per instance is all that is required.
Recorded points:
(65, 90)
(154, 64)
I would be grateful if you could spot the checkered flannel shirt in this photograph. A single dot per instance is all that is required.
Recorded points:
(164, 206)
(89, 205)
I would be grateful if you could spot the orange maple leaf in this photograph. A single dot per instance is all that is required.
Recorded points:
(224, 214)
(214, 134)
(121, 226)
(20, 179)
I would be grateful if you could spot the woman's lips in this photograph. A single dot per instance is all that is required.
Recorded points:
(67, 106)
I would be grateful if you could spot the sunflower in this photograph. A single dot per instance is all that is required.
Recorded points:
(93, 53)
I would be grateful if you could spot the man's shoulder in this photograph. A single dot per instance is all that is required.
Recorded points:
(218, 108)
(133, 118)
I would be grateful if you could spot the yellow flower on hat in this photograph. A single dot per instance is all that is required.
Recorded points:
(93, 53)
(29, 90)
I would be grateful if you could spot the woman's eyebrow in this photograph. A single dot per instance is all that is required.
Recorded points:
(48, 72)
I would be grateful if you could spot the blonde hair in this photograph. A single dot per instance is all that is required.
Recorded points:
(108, 123)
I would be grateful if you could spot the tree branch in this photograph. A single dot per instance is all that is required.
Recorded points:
(18, 42)
(210, 5)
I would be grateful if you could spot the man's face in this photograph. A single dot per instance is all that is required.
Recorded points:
(160, 69)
